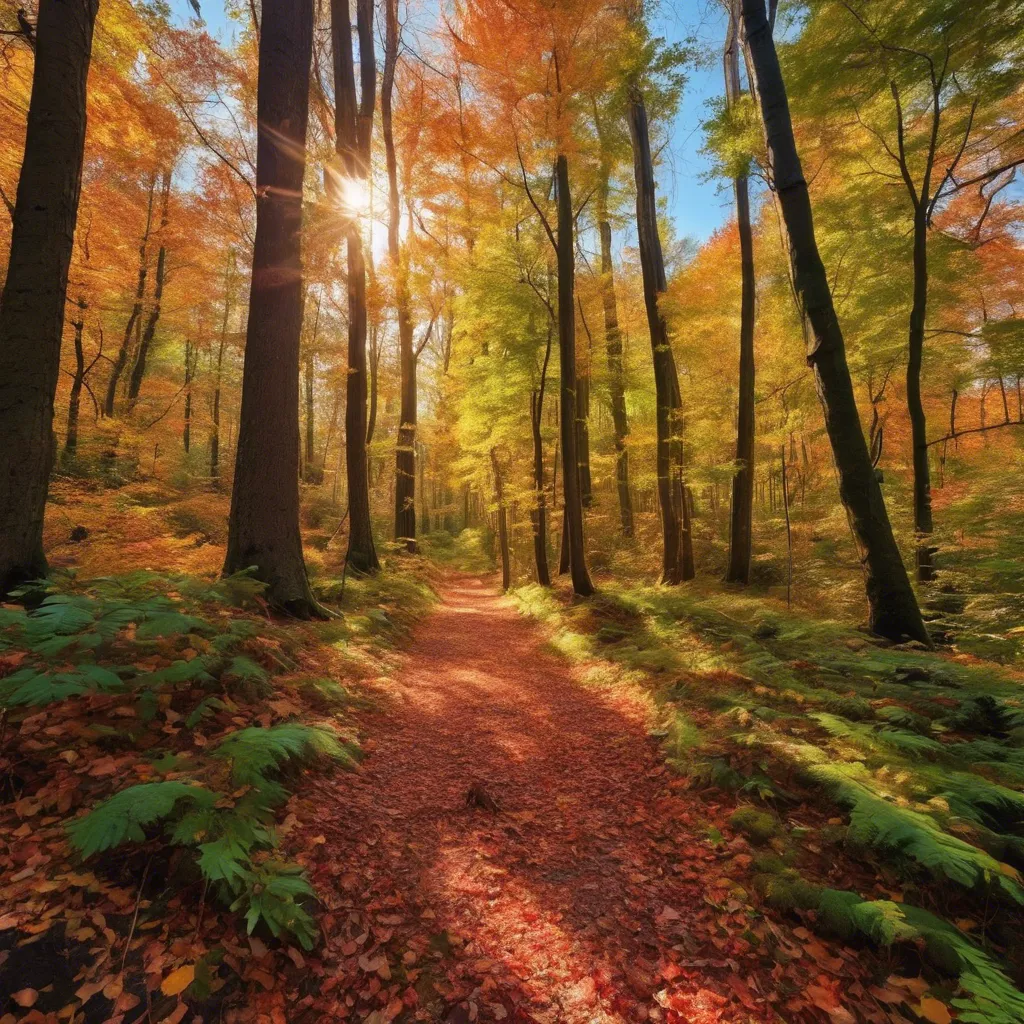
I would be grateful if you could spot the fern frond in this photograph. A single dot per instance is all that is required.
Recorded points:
(884, 826)
(120, 819)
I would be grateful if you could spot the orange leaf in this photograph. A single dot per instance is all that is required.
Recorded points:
(934, 1010)
(26, 997)
(179, 980)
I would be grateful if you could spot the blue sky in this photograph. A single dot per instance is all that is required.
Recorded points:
(696, 206)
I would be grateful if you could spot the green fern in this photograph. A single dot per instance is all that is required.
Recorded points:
(253, 752)
(270, 894)
(884, 826)
(991, 997)
(120, 819)
(33, 688)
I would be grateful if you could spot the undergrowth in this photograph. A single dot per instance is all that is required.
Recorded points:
(916, 759)
(152, 729)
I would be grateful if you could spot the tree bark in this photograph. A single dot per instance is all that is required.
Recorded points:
(263, 528)
(506, 567)
(190, 370)
(677, 561)
(219, 372)
(78, 380)
(32, 304)
(121, 361)
(742, 511)
(581, 583)
(405, 451)
(892, 604)
(539, 514)
(613, 347)
(353, 125)
(923, 525)
(139, 368)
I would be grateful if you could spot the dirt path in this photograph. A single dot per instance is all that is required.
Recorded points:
(590, 895)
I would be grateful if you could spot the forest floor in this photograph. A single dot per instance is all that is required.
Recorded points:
(669, 804)
(526, 827)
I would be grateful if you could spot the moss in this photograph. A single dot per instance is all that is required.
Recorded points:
(787, 891)
(758, 826)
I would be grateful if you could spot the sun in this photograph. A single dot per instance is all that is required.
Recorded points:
(353, 195)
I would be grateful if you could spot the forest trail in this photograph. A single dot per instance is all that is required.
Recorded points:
(590, 895)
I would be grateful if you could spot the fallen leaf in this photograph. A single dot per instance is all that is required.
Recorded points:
(934, 1010)
(179, 980)
(26, 997)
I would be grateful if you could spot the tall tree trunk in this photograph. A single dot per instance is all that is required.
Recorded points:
(539, 513)
(32, 304)
(263, 528)
(121, 361)
(190, 370)
(77, 381)
(218, 373)
(583, 417)
(742, 513)
(567, 364)
(677, 561)
(506, 565)
(915, 407)
(893, 609)
(139, 368)
(314, 471)
(353, 125)
(613, 347)
(374, 367)
(405, 451)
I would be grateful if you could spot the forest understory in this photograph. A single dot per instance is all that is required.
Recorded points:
(652, 804)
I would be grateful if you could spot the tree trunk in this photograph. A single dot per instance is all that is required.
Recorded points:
(583, 418)
(915, 407)
(353, 125)
(742, 512)
(581, 584)
(677, 561)
(218, 374)
(539, 513)
(75, 398)
(139, 368)
(133, 320)
(32, 305)
(314, 472)
(506, 566)
(190, 369)
(263, 528)
(613, 347)
(405, 451)
(893, 609)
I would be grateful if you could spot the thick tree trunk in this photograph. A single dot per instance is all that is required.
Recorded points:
(613, 347)
(139, 368)
(677, 561)
(32, 305)
(405, 451)
(506, 565)
(353, 125)
(75, 398)
(263, 528)
(581, 584)
(915, 407)
(893, 609)
(742, 512)
(121, 360)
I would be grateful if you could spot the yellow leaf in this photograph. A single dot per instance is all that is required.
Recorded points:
(179, 980)
(934, 1010)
